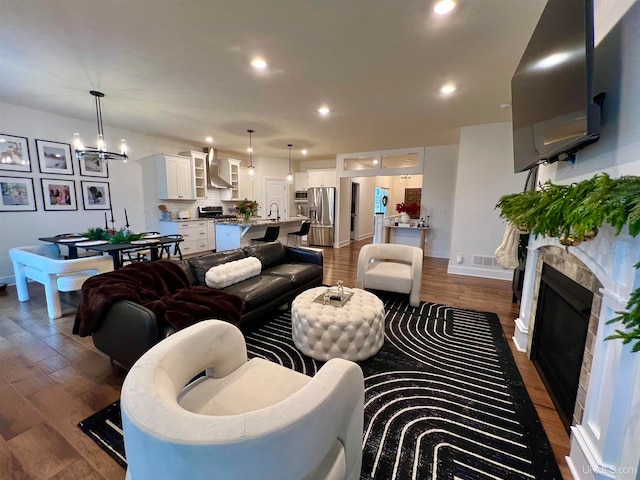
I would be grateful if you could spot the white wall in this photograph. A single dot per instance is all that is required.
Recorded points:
(125, 180)
(485, 166)
(438, 197)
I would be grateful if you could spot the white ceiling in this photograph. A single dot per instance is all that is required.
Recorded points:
(179, 69)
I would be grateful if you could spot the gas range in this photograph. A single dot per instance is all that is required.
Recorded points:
(215, 213)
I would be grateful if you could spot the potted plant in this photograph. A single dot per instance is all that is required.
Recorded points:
(247, 208)
(407, 211)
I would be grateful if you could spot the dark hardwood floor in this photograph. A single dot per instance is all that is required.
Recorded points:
(51, 379)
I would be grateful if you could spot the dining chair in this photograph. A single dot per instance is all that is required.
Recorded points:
(166, 248)
(271, 235)
(137, 254)
(304, 231)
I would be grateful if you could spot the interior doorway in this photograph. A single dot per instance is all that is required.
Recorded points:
(276, 198)
(355, 195)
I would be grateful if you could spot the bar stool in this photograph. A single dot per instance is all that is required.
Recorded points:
(304, 230)
(271, 235)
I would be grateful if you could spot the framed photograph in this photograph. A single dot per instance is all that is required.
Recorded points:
(14, 153)
(54, 157)
(93, 168)
(59, 194)
(16, 195)
(95, 195)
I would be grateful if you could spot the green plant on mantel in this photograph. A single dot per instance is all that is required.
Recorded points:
(573, 213)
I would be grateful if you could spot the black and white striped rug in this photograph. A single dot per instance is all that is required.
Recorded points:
(443, 398)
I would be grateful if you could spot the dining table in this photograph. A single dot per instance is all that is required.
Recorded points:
(73, 243)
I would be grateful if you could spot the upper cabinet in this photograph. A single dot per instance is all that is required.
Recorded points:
(322, 178)
(199, 160)
(245, 184)
(175, 177)
(230, 172)
(301, 180)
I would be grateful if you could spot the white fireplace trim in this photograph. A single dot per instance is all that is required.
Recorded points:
(606, 444)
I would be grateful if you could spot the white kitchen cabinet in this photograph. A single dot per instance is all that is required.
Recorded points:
(194, 232)
(199, 161)
(230, 172)
(175, 177)
(322, 178)
(301, 180)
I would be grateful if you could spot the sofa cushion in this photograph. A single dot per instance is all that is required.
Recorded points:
(297, 273)
(201, 265)
(259, 290)
(232, 272)
(269, 254)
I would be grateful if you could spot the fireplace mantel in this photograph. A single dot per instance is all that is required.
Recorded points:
(606, 442)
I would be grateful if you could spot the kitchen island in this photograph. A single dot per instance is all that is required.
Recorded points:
(236, 234)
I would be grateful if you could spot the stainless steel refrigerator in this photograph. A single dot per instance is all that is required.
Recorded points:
(322, 201)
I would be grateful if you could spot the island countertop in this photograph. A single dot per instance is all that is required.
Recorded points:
(257, 222)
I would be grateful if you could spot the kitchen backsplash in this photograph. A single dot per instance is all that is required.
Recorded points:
(213, 199)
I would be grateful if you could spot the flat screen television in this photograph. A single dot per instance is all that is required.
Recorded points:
(554, 111)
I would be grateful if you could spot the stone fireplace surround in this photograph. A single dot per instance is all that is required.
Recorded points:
(605, 435)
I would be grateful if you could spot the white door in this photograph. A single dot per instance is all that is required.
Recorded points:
(276, 195)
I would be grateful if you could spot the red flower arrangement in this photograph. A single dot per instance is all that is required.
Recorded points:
(410, 209)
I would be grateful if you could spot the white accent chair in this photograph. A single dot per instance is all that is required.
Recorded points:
(392, 268)
(244, 419)
(43, 264)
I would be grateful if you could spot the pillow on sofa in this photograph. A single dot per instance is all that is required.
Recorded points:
(201, 265)
(232, 272)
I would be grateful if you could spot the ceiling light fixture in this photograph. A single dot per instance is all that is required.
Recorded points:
(324, 111)
(444, 6)
(290, 175)
(209, 139)
(252, 170)
(259, 63)
(304, 151)
(448, 88)
(100, 151)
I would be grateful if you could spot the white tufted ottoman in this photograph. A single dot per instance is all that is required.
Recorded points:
(354, 331)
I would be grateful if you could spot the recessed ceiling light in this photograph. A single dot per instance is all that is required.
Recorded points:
(259, 63)
(304, 151)
(375, 161)
(448, 88)
(324, 111)
(209, 139)
(444, 6)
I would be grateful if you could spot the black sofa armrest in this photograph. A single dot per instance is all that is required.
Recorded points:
(304, 255)
(127, 331)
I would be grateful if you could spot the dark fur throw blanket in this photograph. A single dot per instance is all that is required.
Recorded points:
(163, 287)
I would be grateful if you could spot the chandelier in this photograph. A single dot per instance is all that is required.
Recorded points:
(100, 151)
(252, 170)
(290, 175)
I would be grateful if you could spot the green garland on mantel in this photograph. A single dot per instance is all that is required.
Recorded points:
(573, 213)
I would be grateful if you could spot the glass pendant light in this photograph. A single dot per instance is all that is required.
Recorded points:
(252, 170)
(290, 175)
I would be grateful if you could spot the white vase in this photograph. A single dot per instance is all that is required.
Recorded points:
(404, 218)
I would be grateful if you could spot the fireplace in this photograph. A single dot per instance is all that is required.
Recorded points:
(605, 425)
(562, 322)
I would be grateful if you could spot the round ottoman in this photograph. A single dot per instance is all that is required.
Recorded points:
(354, 331)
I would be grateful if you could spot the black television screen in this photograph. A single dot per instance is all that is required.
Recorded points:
(554, 113)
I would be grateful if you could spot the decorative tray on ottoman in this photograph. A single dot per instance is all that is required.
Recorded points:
(334, 296)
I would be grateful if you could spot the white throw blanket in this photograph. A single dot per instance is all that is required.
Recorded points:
(507, 252)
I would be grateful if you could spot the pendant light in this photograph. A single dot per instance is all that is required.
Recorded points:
(252, 170)
(289, 175)
(100, 151)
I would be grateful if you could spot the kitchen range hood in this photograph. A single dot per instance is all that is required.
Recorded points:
(215, 180)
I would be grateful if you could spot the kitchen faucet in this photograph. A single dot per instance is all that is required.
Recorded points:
(277, 211)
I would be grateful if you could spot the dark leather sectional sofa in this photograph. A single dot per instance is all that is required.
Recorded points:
(128, 330)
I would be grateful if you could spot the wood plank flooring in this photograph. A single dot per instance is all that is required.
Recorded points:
(51, 379)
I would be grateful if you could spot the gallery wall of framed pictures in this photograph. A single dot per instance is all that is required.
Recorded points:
(55, 178)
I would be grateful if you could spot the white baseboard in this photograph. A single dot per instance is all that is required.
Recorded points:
(481, 272)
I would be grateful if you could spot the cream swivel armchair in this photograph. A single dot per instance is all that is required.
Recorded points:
(244, 419)
(392, 268)
(42, 263)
